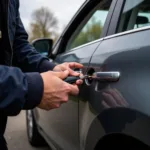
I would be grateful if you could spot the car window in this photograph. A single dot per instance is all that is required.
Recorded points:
(135, 14)
(91, 27)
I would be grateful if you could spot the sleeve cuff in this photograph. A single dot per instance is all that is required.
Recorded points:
(46, 66)
(35, 90)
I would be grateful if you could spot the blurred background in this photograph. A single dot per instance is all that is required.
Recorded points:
(47, 18)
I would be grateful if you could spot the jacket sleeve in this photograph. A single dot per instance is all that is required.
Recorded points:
(18, 90)
(25, 55)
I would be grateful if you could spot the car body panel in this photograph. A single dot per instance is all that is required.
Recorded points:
(63, 129)
(122, 106)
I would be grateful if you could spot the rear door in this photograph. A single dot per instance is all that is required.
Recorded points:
(108, 106)
(78, 43)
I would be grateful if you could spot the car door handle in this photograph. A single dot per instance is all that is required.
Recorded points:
(100, 76)
(106, 76)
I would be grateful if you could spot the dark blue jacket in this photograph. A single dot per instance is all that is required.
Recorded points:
(21, 86)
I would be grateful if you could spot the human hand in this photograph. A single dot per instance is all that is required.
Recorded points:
(69, 67)
(56, 91)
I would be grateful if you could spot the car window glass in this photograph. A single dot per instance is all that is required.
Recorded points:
(91, 27)
(135, 14)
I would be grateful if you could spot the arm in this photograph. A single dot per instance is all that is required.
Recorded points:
(18, 90)
(25, 56)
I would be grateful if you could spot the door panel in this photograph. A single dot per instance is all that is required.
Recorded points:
(109, 109)
(61, 125)
(122, 106)
(128, 54)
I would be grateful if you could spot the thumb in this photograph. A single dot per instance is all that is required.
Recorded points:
(62, 74)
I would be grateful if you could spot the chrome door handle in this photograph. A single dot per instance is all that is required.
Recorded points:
(106, 76)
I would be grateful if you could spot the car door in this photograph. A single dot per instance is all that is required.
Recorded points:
(78, 43)
(114, 109)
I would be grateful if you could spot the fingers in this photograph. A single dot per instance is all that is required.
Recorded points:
(73, 73)
(79, 82)
(61, 75)
(75, 65)
(69, 67)
(74, 90)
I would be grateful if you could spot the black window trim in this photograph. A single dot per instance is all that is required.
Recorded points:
(116, 17)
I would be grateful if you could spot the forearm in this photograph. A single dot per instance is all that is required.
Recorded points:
(45, 65)
(30, 61)
(18, 90)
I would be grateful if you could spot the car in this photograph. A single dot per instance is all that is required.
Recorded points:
(111, 38)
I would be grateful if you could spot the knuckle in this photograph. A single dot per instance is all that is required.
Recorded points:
(57, 105)
(65, 99)
(67, 88)
(77, 90)
(50, 72)
(64, 64)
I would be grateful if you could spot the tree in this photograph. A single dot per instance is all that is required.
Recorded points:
(90, 32)
(44, 24)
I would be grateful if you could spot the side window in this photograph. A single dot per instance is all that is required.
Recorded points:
(91, 27)
(135, 14)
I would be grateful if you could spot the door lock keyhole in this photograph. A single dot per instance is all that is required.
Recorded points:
(90, 72)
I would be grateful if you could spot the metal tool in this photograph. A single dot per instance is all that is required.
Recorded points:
(100, 76)
(73, 79)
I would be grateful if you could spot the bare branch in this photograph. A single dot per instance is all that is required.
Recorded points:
(44, 23)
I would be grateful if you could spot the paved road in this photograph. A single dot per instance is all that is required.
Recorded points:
(16, 134)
